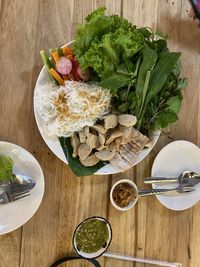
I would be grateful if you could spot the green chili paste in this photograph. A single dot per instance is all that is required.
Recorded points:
(91, 236)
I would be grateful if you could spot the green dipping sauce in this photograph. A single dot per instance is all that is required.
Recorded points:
(92, 236)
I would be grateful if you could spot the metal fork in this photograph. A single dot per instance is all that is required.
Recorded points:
(159, 191)
(7, 197)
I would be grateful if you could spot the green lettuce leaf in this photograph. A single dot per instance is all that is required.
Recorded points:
(92, 30)
(136, 65)
(6, 165)
(105, 42)
(115, 82)
(96, 13)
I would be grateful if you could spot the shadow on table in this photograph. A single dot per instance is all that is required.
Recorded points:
(189, 32)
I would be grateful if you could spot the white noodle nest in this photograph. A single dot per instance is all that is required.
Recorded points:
(81, 104)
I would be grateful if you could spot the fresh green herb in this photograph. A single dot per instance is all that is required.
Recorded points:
(136, 65)
(6, 165)
(161, 34)
(104, 42)
(159, 75)
(115, 82)
(148, 62)
(74, 163)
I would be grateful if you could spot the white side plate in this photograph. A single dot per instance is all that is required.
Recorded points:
(172, 160)
(15, 214)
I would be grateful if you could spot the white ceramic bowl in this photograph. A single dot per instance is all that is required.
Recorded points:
(132, 204)
(102, 250)
(54, 144)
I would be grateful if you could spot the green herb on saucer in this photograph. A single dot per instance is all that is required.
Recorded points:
(6, 165)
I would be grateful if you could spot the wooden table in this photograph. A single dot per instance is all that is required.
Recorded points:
(148, 230)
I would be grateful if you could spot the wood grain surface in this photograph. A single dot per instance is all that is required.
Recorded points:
(149, 230)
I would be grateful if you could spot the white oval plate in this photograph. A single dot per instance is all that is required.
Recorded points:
(171, 161)
(54, 144)
(15, 214)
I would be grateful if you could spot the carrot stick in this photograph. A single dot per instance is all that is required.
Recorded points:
(56, 76)
(67, 51)
(55, 56)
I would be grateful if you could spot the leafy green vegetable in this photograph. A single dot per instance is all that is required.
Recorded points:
(164, 118)
(158, 78)
(146, 32)
(98, 12)
(161, 34)
(149, 60)
(6, 165)
(183, 82)
(165, 64)
(115, 82)
(74, 163)
(136, 65)
(174, 103)
(105, 41)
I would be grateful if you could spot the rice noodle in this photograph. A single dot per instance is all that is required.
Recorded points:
(69, 108)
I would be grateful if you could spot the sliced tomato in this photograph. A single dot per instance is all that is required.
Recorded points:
(64, 66)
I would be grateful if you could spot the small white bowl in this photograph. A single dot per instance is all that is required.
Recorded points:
(98, 253)
(132, 204)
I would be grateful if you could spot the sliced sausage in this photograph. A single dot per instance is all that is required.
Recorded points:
(110, 121)
(127, 120)
(90, 161)
(84, 151)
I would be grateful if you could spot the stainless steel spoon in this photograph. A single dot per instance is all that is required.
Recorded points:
(187, 177)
